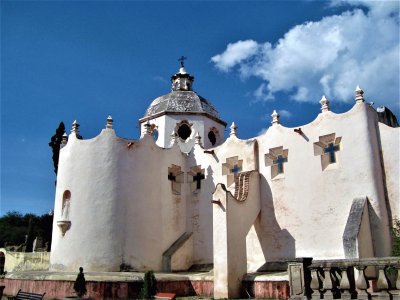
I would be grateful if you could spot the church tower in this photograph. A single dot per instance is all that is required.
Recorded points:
(180, 115)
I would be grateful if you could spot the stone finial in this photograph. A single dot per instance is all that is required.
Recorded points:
(174, 138)
(275, 118)
(233, 129)
(359, 94)
(197, 139)
(109, 123)
(324, 104)
(147, 128)
(75, 127)
(64, 139)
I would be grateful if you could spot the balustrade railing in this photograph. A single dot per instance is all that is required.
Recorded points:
(372, 278)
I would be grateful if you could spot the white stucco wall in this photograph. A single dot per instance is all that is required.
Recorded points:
(123, 209)
(390, 141)
(304, 212)
(122, 206)
(89, 169)
(167, 124)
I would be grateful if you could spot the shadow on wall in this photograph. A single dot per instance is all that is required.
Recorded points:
(276, 243)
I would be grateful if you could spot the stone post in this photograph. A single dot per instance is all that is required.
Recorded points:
(299, 278)
(230, 229)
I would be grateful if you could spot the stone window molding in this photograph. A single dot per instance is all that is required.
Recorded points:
(213, 136)
(327, 148)
(64, 223)
(276, 158)
(231, 168)
(184, 130)
(175, 175)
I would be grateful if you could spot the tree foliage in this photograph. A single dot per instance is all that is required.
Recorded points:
(149, 288)
(15, 228)
(396, 237)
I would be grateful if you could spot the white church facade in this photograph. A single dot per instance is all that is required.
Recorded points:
(182, 196)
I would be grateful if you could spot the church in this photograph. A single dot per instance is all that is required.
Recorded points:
(182, 197)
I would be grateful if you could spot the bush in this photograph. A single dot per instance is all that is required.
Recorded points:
(80, 283)
(149, 286)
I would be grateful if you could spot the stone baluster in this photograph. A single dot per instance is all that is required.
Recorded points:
(345, 285)
(329, 285)
(396, 293)
(362, 283)
(382, 284)
(315, 284)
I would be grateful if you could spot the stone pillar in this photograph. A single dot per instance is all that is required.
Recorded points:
(299, 278)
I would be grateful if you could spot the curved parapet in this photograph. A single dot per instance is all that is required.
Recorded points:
(233, 216)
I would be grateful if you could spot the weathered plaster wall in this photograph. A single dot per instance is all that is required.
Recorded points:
(390, 141)
(308, 205)
(201, 220)
(155, 217)
(21, 261)
(122, 208)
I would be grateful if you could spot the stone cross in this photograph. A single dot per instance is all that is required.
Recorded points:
(275, 158)
(198, 178)
(195, 176)
(331, 149)
(280, 161)
(231, 168)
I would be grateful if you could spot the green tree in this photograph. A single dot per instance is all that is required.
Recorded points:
(14, 227)
(396, 237)
(149, 288)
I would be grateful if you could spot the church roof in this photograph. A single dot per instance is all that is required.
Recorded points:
(181, 100)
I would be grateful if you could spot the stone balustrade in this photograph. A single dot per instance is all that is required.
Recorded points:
(372, 278)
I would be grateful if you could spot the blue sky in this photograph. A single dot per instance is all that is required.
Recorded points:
(83, 60)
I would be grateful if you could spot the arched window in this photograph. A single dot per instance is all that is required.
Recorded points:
(212, 137)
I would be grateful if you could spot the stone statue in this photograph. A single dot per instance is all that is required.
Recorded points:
(65, 211)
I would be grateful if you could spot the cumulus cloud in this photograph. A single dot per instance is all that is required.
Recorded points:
(235, 53)
(328, 57)
(284, 113)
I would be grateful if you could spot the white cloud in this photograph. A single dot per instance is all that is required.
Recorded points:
(328, 57)
(285, 113)
(234, 54)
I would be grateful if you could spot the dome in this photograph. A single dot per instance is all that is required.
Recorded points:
(182, 99)
(183, 102)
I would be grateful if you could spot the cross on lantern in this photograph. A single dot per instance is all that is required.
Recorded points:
(181, 60)
(280, 161)
(331, 149)
(198, 178)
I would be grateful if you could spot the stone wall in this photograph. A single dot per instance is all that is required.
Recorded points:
(21, 261)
